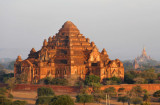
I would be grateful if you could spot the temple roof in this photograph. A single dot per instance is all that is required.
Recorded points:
(68, 26)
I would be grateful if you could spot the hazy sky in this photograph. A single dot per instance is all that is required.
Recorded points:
(123, 27)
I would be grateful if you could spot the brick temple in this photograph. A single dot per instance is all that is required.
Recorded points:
(68, 54)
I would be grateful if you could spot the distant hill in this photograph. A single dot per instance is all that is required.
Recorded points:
(7, 63)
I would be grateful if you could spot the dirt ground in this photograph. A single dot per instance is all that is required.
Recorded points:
(30, 97)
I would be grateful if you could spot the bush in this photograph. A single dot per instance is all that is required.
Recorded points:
(18, 102)
(62, 100)
(10, 95)
(43, 91)
(145, 103)
(55, 81)
(157, 93)
(136, 100)
(121, 89)
(84, 98)
(91, 79)
(44, 100)
(111, 91)
(123, 99)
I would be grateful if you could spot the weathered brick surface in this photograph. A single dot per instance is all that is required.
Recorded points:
(72, 89)
(128, 87)
(31, 87)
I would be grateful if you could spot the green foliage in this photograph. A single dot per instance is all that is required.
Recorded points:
(112, 81)
(55, 100)
(59, 81)
(121, 89)
(10, 95)
(139, 80)
(5, 77)
(55, 81)
(44, 91)
(84, 98)
(118, 80)
(5, 101)
(11, 83)
(129, 76)
(91, 79)
(44, 100)
(3, 91)
(137, 91)
(22, 78)
(62, 100)
(143, 77)
(136, 100)
(157, 94)
(18, 102)
(99, 96)
(111, 91)
(145, 103)
(146, 97)
(123, 99)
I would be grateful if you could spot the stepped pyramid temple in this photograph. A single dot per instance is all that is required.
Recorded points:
(68, 54)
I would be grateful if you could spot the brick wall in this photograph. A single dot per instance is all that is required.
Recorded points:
(128, 87)
(30, 87)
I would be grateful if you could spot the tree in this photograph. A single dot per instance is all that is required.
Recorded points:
(146, 97)
(91, 79)
(121, 89)
(84, 98)
(136, 91)
(44, 91)
(47, 80)
(136, 100)
(45, 100)
(123, 99)
(62, 100)
(22, 78)
(139, 80)
(156, 94)
(11, 83)
(111, 91)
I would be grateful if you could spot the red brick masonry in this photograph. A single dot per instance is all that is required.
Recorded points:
(148, 87)
(70, 89)
(31, 87)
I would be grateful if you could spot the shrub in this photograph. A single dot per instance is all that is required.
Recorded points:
(44, 100)
(43, 91)
(123, 99)
(84, 98)
(62, 100)
(10, 95)
(136, 100)
(111, 91)
(18, 102)
(91, 79)
(157, 93)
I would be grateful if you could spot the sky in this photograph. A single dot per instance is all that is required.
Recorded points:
(122, 27)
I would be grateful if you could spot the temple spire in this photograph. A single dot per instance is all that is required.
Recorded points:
(19, 58)
(144, 52)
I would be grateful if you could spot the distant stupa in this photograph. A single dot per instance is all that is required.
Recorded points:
(143, 58)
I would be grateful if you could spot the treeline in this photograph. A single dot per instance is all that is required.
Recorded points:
(142, 77)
